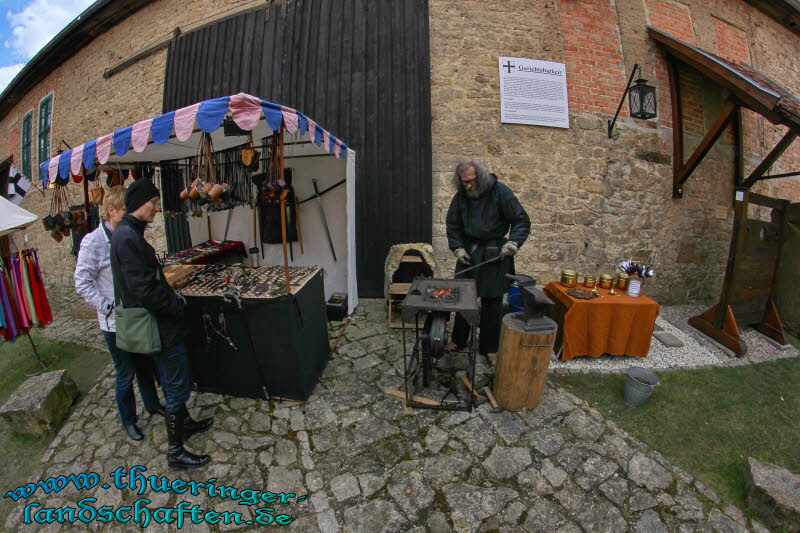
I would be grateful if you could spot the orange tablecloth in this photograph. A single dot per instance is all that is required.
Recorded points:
(615, 325)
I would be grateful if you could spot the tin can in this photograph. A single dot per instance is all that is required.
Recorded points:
(589, 282)
(622, 282)
(569, 278)
(606, 281)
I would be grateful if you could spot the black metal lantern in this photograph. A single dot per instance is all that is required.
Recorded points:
(642, 101)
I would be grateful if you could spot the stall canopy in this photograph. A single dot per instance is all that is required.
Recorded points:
(13, 217)
(176, 135)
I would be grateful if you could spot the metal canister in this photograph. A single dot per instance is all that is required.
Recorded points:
(622, 283)
(606, 281)
(588, 282)
(569, 278)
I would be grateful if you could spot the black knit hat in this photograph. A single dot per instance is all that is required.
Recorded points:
(139, 193)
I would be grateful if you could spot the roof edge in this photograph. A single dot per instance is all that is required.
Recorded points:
(93, 21)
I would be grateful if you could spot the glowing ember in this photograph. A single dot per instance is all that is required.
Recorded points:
(441, 294)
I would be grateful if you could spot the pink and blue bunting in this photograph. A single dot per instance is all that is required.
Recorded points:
(245, 110)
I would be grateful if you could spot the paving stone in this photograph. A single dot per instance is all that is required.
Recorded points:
(435, 439)
(411, 494)
(285, 452)
(615, 489)
(554, 475)
(377, 516)
(721, 523)
(647, 473)
(593, 472)
(547, 441)
(668, 339)
(506, 462)
(345, 487)
(470, 505)
(602, 517)
(649, 522)
(640, 500)
(437, 522)
(444, 468)
(371, 483)
(583, 426)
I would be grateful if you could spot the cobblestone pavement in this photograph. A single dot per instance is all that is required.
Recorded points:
(366, 465)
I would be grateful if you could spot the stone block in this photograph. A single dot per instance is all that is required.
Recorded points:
(668, 339)
(41, 403)
(774, 493)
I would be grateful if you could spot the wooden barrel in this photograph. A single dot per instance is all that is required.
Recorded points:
(522, 362)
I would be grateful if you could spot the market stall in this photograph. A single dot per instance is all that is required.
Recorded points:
(239, 168)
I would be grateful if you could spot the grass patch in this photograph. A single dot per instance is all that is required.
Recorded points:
(22, 453)
(709, 421)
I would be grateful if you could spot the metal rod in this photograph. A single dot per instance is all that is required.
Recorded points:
(492, 260)
(622, 100)
(324, 220)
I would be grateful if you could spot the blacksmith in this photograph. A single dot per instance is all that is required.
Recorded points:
(485, 220)
(139, 282)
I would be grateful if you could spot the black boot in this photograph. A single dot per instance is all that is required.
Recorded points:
(177, 455)
(159, 411)
(192, 426)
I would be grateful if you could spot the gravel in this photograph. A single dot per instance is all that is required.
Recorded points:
(697, 350)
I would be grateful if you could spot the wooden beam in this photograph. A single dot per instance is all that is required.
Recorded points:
(741, 199)
(784, 175)
(767, 201)
(728, 334)
(677, 125)
(705, 145)
(738, 147)
(773, 156)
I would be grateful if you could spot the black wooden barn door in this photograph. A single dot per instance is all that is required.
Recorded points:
(361, 69)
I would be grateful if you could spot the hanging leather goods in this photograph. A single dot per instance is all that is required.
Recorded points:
(283, 215)
(297, 218)
(97, 192)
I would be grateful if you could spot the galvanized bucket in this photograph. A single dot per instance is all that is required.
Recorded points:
(640, 385)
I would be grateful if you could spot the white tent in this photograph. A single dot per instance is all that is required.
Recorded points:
(13, 217)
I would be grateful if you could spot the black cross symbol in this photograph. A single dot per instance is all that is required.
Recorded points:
(509, 65)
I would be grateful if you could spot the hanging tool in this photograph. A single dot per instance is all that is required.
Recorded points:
(283, 215)
(297, 217)
(324, 220)
(228, 223)
(492, 260)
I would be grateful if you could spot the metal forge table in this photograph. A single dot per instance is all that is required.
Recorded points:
(436, 299)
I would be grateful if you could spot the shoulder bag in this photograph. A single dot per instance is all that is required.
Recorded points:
(137, 328)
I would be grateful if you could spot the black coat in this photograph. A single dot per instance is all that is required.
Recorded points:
(480, 226)
(139, 280)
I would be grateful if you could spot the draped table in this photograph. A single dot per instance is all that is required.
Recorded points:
(612, 325)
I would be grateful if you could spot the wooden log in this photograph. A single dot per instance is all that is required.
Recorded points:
(339, 336)
(728, 335)
(522, 363)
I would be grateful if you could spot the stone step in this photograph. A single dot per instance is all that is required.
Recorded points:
(668, 339)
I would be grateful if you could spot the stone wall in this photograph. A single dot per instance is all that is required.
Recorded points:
(595, 201)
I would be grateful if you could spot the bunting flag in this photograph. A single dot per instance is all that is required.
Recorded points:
(246, 111)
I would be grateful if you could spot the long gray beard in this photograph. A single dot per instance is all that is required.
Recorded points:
(474, 193)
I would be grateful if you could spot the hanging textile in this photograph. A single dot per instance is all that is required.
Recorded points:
(22, 295)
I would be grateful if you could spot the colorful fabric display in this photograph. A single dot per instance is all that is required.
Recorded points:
(22, 295)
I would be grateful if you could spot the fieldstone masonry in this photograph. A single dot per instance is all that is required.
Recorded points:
(41, 403)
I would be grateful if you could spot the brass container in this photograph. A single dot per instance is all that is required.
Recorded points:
(569, 278)
(606, 281)
(622, 283)
(589, 282)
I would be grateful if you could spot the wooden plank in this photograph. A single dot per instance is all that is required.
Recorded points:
(706, 144)
(738, 147)
(677, 125)
(728, 335)
(768, 201)
(773, 156)
(411, 259)
(399, 288)
(737, 243)
(419, 399)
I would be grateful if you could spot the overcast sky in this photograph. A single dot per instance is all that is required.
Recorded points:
(27, 25)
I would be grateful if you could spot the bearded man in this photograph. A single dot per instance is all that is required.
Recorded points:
(482, 212)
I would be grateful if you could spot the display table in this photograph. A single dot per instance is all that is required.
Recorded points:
(209, 253)
(613, 325)
(281, 342)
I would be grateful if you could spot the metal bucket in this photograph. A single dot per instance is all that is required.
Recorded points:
(640, 385)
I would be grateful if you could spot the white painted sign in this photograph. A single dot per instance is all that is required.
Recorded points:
(533, 92)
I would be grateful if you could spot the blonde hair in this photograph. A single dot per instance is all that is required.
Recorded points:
(114, 197)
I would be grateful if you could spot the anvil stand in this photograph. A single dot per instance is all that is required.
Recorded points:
(413, 372)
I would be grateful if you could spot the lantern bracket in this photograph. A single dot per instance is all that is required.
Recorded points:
(636, 68)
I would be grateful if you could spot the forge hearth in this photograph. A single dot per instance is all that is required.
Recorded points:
(448, 295)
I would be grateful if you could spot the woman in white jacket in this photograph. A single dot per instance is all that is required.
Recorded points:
(94, 283)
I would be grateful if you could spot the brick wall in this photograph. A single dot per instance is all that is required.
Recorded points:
(592, 54)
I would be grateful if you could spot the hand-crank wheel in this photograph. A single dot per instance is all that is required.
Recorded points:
(434, 337)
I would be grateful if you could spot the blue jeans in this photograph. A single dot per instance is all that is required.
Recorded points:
(127, 366)
(173, 369)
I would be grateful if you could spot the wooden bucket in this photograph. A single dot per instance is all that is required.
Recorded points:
(522, 362)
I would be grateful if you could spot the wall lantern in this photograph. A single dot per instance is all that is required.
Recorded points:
(642, 101)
